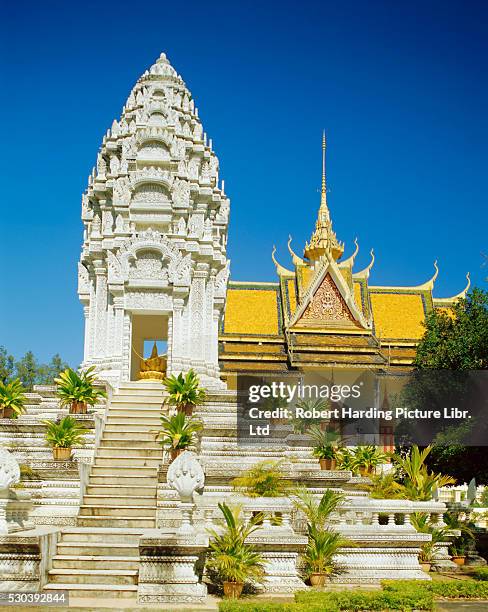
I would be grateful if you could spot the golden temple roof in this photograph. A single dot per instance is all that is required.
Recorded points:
(323, 312)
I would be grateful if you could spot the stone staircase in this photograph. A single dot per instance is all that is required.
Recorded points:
(100, 557)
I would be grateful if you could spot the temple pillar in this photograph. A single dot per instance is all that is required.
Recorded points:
(86, 344)
(91, 321)
(100, 309)
(196, 331)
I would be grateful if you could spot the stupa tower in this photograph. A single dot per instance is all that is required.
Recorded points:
(153, 264)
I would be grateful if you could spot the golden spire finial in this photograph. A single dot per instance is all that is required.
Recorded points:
(323, 198)
(323, 238)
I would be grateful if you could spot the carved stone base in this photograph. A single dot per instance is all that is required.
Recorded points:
(281, 573)
(372, 564)
(25, 558)
(167, 567)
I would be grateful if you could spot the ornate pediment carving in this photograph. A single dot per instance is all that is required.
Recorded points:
(327, 304)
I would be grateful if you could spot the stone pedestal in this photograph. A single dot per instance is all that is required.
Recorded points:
(169, 568)
(25, 558)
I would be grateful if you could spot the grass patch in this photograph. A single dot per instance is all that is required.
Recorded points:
(404, 595)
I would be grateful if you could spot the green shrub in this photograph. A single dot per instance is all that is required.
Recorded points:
(357, 600)
(452, 589)
(462, 589)
(481, 574)
(263, 606)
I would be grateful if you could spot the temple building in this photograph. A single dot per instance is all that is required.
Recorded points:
(154, 268)
(321, 312)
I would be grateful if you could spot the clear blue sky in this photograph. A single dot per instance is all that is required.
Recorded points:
(400, 87)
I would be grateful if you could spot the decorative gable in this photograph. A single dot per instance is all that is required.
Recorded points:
(327, 304)
(329, 301)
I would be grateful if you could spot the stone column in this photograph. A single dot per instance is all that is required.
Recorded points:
(215, 342)
(118, 327)
(197, 305)
(91, 324)
(110, 328)
(86, 345)
(209, 338)
(126, 347)
(175, 363)
(100, 310)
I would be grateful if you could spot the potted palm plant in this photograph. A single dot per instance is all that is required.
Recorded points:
(324, 448)
(184, 392)
(12, 399)
(438, 533)
(367, 458)
(461, 522)
(264, 479)
(418, 483)
(345, 459)
(458, 553)
(232, 560)
(178, 433)
(323, 543)
(426, 557)
(62, 435)
(77, 390)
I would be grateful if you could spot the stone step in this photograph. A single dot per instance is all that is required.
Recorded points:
(119, 433)
(80, 534)
(130, 442)
(123, 412)
(115, 489)
(103, 576)
(120, 500)
(100, 478)
(134, 420)
(119, 521)
(93, 591)
(94, 562)
(128, 461)
(142, 395)
(97, 549)
(129, 428)
(115, 510)
(139, 386)
(130, 451)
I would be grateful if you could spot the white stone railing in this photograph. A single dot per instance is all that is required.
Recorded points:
(458, 493)
(365, 514)
(271, 507)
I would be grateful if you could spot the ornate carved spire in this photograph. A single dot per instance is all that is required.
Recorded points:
(323, 239)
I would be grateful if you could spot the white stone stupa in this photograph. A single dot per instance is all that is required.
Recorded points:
(153, 264)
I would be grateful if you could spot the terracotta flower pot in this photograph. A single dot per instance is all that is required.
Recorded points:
(327, 464)
(233, 590)
(317, 579)
(78, 408)
(425, 566)
(186, 409)
(61, 454)
(459, 559)
(7, 412)
(365, 472)
(173, 453)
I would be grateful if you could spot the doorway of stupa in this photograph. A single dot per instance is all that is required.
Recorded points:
(149, 346)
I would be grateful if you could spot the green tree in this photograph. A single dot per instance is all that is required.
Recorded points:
(7, 365)
(27, 370)
(457, 341)
(48, 372)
